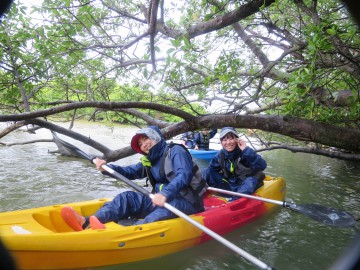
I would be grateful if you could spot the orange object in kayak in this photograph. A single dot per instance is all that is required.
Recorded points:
(40, 239)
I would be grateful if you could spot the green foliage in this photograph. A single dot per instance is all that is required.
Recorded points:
(89, 51)
(325, 41)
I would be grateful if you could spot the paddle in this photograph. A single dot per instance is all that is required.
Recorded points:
(326, 215)
(198, 225)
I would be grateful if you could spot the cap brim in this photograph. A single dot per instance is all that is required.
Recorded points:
(224, 133)
(134, 143)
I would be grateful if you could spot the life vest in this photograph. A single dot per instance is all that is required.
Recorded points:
(192, 193)
(239, 170)
(204, 141)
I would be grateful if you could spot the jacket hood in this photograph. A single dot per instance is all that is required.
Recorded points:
(152, 132)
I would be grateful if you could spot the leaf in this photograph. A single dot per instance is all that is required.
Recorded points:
(331, 31)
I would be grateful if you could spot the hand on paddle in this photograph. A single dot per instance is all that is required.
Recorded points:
(157, 200)
(99, 163)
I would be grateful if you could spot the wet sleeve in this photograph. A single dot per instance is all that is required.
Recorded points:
(252, 160)
(132, 172)
(212, 133)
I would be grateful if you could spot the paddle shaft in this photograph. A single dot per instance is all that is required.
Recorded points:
(326, 215)
(206, 230)
(224, 191)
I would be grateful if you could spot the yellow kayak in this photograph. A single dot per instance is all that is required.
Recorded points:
(39, 238)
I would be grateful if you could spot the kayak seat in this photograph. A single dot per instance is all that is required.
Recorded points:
(127, 222)
(53, 221)
(212, 200)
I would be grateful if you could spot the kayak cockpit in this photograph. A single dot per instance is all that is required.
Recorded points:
(51, 218)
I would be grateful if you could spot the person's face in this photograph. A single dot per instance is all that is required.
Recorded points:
(145, 144)
(205, 132)
(229, 142)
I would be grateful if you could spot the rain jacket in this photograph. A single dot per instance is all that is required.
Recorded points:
(139, 205)
(203, 141)
(247, 182)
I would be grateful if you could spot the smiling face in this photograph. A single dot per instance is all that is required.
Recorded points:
(229, 142)
(145, 144)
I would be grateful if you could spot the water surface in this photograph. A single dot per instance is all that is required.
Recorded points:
(31, 176)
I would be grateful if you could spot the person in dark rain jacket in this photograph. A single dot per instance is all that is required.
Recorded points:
(202, 139)
(236, 167)
(188, 139)
(175, 178)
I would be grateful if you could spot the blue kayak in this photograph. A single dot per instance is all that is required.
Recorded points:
(203, 154)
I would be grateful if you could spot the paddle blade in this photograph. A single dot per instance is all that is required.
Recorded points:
(327, 215)
(71, 148)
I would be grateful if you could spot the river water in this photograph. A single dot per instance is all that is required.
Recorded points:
(31, 176)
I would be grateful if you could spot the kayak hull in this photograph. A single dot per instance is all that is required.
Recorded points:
(203, 154)
(39, 238)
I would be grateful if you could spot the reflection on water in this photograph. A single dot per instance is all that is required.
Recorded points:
(32, 177)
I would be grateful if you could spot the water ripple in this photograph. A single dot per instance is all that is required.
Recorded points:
(32, 177)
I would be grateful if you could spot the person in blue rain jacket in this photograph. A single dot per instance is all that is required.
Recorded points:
(188, 139)
(202, 139)
(236, 167)
(175, 178)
